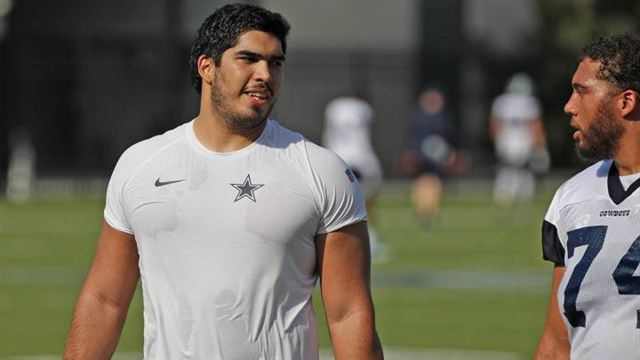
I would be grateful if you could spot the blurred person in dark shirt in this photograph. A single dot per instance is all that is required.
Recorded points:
(430, 156)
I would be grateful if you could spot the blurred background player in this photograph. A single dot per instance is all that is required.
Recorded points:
(520, 144)
(347, 132)
(22, 165)
(430, 155)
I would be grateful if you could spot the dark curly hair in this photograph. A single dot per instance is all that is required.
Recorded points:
(619, 57)
(221, 30)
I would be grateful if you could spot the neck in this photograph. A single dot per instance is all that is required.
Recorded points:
(627, 156)
(216, 135)
(627, 166)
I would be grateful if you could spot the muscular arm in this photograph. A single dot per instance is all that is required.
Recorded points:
(105, 297)
(554, 342)
(344, 262)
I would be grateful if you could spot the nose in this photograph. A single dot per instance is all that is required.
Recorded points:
(262, 71)
(569, 107)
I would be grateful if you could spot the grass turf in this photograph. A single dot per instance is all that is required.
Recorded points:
(46, 247)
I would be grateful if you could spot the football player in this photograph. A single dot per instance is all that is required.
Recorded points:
(591, 231)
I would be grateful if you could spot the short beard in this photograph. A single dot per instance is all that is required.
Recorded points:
(237, 122)
(602, 138)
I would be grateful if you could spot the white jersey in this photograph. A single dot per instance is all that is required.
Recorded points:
(347, 133)
(515, 111)
(592, 228)
(226, 240)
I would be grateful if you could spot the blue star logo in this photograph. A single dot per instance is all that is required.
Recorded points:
(246, 189)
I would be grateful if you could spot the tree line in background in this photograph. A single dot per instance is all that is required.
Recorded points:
(567, 26)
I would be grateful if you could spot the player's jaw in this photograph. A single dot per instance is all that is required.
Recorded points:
(257, 102)
(244, 109)
(599, 139)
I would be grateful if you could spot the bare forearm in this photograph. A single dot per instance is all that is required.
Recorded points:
(552, 347)
(95, 328)
(554, 342)
(355, 337)
(547, 352)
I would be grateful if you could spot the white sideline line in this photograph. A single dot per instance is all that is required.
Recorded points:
(513, 281)
(437, 354)
(41, 275)
(427, 279)
(325, 354)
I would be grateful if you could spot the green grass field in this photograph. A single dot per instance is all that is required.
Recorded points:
(473, 281)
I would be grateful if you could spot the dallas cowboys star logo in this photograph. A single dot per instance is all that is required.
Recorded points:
(246, 189)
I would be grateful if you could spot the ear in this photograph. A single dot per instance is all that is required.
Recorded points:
(206, 69)
(628, 103)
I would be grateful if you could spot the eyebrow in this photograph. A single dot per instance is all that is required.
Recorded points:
(260, 56)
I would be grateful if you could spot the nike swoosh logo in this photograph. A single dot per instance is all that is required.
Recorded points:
(163, 183)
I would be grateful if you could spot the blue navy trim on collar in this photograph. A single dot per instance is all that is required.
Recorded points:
(617, 193)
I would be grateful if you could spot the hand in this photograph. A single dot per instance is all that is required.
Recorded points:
(408, 163)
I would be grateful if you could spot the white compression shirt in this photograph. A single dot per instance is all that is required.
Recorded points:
(226, 240)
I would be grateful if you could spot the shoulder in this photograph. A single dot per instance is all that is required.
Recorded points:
(500, 103)
(501, 99)
(530, 103)
(300, 151)
(587, 184)
(322, 157)
(141, 152)
(515, 100)
(517, 106)
(278, 136)
(346, 109)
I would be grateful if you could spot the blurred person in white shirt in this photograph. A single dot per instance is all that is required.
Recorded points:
(347, 132)
(520, 143)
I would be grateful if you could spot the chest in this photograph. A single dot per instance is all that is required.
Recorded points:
(602, 258)
(222, 201)
(599, 232)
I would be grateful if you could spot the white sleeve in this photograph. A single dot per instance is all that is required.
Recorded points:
(552, 247)
(553, 213)
(114, 210)
(338, 193)
(536, 112)
(496, 108)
